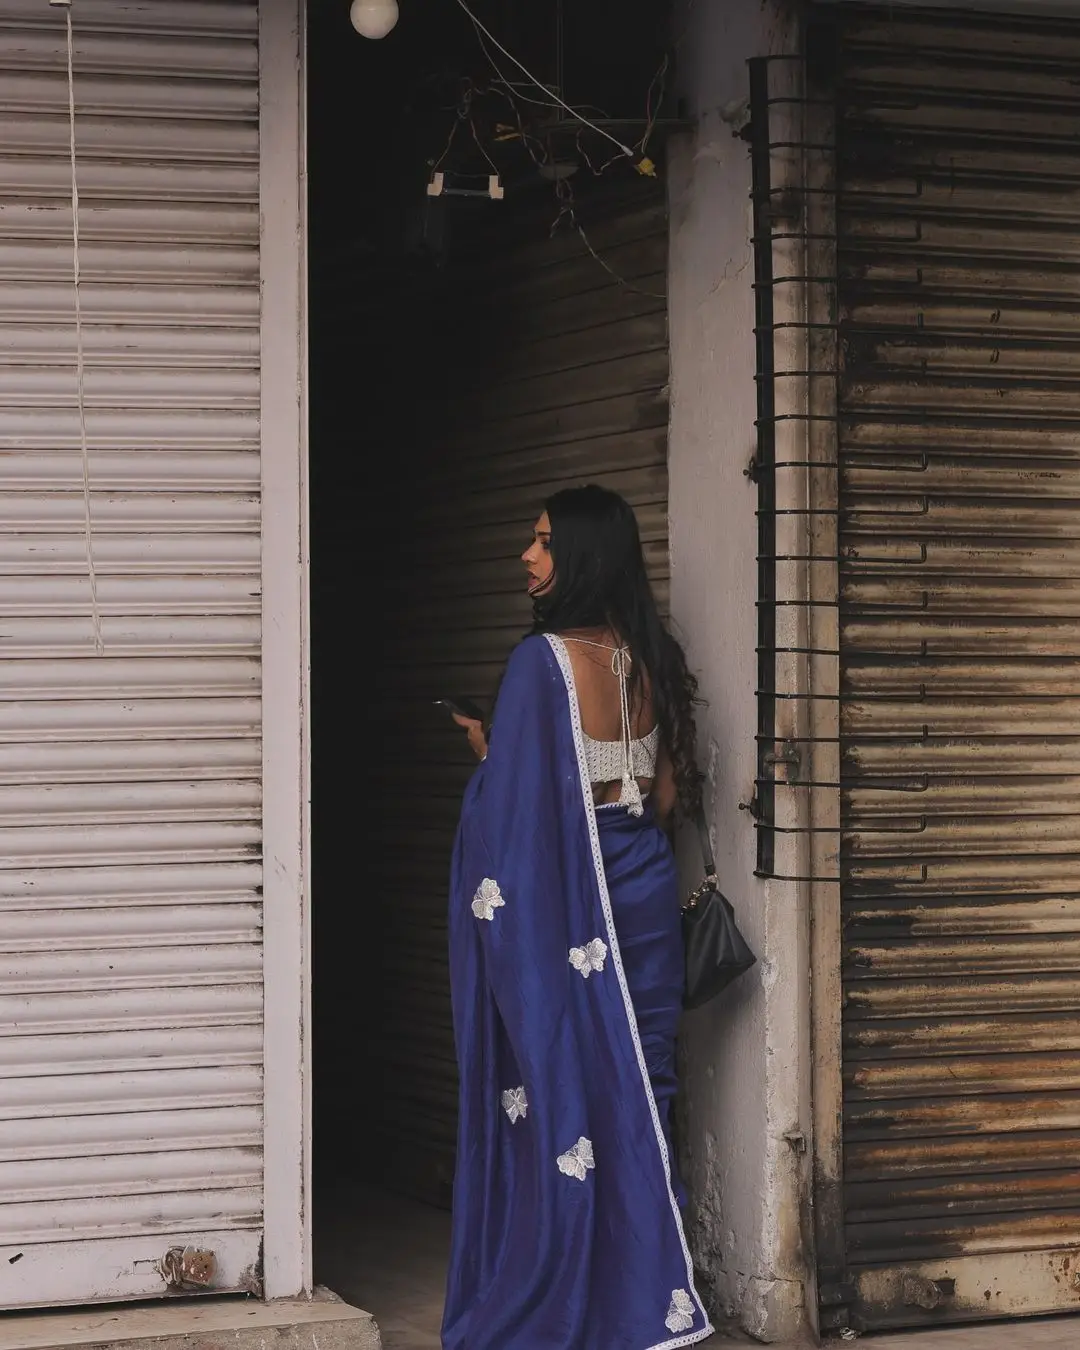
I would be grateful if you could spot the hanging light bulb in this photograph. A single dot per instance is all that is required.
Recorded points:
(374, 18)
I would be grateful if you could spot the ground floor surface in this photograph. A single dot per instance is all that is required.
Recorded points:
(387, 1255)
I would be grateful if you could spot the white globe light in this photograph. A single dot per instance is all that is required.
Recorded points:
(374, 18)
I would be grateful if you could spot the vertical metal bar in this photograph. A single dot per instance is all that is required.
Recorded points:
(287, 1262)
(764, 461)
(826, 936)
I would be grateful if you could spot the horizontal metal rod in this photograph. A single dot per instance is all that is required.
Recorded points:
(802, 830)
(806, 651)
(806, 464)
(823, 279)
(795, 100)
(800, 190)
(832, 419)
(811, 511)
(792, 876)
(800, 236)
(800, 326)
(801, 698)
(777, 603)
(804, 740)
(805, 374)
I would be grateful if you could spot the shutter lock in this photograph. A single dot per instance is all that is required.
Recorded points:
(187, 1268)
(916, 1291)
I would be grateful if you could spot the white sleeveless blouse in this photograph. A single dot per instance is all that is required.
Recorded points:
(606, 759)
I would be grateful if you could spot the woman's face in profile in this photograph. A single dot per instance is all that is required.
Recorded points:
(537, 558)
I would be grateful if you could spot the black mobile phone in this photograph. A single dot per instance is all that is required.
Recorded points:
(462, 707)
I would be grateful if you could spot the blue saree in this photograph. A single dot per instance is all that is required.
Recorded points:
(567, 970)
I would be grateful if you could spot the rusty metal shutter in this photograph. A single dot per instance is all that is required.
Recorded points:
(130, 984)
(958, 169)
(541, 371)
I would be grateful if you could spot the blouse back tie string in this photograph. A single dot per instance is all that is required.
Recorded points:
(621, 664)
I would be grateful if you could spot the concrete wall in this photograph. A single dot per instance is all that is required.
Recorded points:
(745, 1056)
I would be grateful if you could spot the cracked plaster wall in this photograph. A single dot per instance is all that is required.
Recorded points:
(744, 1069)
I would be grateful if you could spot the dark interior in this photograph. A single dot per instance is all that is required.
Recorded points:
(468, 355)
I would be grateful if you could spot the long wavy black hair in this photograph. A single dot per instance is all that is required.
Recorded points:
(600, 581)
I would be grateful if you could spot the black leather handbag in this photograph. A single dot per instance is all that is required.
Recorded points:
(716, 952)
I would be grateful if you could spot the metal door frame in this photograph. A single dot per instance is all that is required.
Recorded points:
(287, 1261)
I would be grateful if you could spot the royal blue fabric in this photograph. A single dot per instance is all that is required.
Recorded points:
(540, 1259)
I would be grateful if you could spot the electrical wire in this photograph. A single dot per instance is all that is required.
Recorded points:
(626, 285)
(514, 90)
(687, 23)
(463, 115)
(597, 172)
(480, 147)
(527, 140)
(568, 211)
(560, 34)
(80, 358)
(438, 163)
(651, 114)
(556, 98)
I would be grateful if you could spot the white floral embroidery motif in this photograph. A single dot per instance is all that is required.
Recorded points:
(487, 900)
(588, 958)
(575, 1162)
(680, 1315)
(515, 1104)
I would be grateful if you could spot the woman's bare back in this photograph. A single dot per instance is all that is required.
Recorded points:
(599, 701)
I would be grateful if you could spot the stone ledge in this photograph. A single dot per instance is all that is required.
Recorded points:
(321, 1323)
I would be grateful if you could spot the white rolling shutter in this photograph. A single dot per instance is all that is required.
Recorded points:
(130, 914)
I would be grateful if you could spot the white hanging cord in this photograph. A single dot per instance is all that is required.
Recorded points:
(80, 360)
(480, 28)
(621, 663)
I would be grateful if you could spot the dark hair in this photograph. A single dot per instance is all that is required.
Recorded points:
(600, 581)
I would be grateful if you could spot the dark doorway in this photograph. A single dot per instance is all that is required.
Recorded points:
(470, 352)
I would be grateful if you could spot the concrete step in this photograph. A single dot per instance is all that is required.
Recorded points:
(321, 1323)
(1049, 1333)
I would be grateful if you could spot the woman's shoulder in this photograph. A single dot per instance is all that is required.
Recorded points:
(532, 652)
(532, 662)
(530, 669)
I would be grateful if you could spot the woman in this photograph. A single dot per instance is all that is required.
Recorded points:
(567, 965)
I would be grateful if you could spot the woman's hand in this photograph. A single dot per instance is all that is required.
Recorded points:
(475, 733)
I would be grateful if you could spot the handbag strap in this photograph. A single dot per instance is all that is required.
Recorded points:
(709, 883)
(706, 845)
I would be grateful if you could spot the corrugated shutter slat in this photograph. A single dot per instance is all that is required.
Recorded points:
(130, 793)
(958, 168)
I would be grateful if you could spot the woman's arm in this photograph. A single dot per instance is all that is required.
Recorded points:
(475, 733)
(664, 794)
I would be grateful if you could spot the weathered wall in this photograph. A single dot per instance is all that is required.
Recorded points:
(746, 1056)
